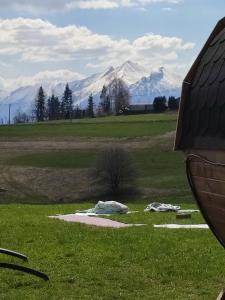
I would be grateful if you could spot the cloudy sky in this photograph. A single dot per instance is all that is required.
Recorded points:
(70, 39)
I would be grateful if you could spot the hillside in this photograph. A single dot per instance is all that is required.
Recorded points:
(32, 154)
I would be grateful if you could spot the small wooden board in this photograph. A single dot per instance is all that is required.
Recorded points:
(221, 295)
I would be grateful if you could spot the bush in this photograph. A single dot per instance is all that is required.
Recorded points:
(114, 170)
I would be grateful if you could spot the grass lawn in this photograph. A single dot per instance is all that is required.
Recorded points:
(124, 126)
(85, 262)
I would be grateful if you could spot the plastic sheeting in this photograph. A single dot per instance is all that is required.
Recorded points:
(161, 207)
(106, 208)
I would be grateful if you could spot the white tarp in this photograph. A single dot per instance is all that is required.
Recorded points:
(189, 211)
(185, 226)
(106, 208)
(161, 207)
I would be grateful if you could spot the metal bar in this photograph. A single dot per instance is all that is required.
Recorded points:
(25, 270)
(13, 253)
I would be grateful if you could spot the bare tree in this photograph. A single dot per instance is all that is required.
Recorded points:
(21, 117)
(119, 95)
(114, 169)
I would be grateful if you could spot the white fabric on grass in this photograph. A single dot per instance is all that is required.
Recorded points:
(161, 207)
(185, 226)
(188, 210)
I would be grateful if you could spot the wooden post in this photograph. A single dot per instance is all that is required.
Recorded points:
(9, 121)
(221, 295)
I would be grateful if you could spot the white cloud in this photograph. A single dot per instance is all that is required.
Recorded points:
(167, 8)
(34, 6)
(35, 41)
(45, 77)
(95, 4)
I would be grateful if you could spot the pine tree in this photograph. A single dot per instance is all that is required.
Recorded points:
(67, 103)
(40, 105)
(53, 109)
(173, 103)
(90, 108)
(160, 104)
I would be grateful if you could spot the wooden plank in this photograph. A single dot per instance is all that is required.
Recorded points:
(214, 212)
(221, 295)
(212, 199)
(210, 186)
(207, 170)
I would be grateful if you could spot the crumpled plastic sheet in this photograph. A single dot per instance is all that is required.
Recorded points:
(106, 208)
(161, 207)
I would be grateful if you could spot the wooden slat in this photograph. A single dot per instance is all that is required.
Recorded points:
(212, 199)
(206, 170)
(209, 185)
(213, 206)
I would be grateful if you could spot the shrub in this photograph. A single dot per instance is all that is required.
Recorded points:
(114, 170)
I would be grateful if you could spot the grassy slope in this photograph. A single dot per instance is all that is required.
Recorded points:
(155, 168)
(124, 126)
(86, 262)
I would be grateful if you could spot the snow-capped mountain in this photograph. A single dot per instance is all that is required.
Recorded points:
(144, 85)
(159, 83)
(130, 72)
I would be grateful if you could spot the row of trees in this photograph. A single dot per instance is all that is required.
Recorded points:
(115, 98)
(161, 104)
(53, 108)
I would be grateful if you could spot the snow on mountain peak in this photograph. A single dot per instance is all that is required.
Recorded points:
(130, 72)
(143, 85)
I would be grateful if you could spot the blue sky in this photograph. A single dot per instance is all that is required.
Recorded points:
(65, 40)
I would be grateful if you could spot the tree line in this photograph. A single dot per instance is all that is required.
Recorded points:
(161, 104)
(53, 108)
(114, 99)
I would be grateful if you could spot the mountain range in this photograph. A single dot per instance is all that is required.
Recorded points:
(144, 85)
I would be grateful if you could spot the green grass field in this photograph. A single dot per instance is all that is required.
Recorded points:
(86, 262)
(125, 126)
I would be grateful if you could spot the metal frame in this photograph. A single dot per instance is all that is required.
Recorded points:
(195, 193)
(18, 267)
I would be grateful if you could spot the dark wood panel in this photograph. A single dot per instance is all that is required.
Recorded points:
(209, 185)
(208, 171)
(216, 200)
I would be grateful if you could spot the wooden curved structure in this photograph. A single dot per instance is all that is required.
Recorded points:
(201, 130)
